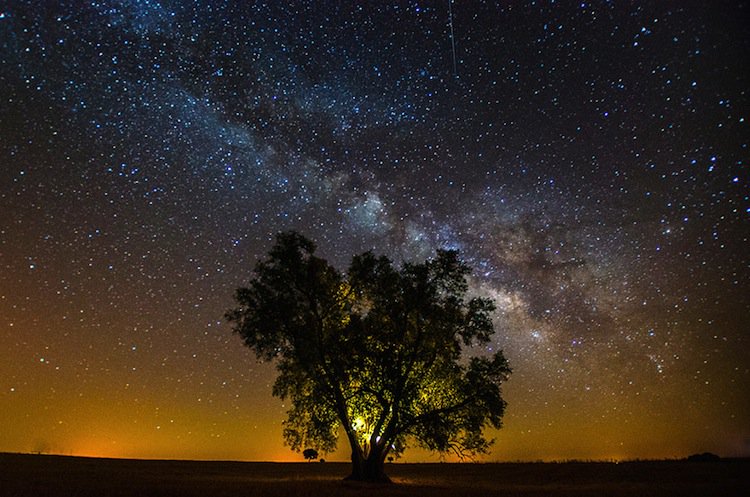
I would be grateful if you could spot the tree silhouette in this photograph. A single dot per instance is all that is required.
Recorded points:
(310, 454)
(377, 352)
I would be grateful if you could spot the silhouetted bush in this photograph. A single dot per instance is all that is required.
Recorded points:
(705, 457)
(310, 454)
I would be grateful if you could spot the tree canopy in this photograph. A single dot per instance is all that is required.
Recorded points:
(377, 352)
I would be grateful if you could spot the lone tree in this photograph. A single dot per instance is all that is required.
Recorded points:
(310, 454)
(376, 352)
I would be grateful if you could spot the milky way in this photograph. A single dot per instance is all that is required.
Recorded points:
(588, 159)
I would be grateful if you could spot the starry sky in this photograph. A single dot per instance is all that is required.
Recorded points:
(588, 159)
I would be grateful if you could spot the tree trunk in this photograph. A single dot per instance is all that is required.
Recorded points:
(357, 466)
(370, 469)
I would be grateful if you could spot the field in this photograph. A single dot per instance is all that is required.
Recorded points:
(43, 475)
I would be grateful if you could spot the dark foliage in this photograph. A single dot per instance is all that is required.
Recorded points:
(377, 352)
(310, 454)
(704, 457)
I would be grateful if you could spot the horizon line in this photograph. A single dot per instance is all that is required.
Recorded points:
(346, 461)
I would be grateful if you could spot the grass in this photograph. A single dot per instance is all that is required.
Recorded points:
(42, 475)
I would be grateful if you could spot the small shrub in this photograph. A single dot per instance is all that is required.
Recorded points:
(705, 457)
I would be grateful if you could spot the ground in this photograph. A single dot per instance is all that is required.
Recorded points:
(23, 475)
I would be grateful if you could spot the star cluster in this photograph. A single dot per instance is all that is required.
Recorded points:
(588, 159)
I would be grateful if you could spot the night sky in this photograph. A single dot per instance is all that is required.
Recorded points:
(588, 159)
